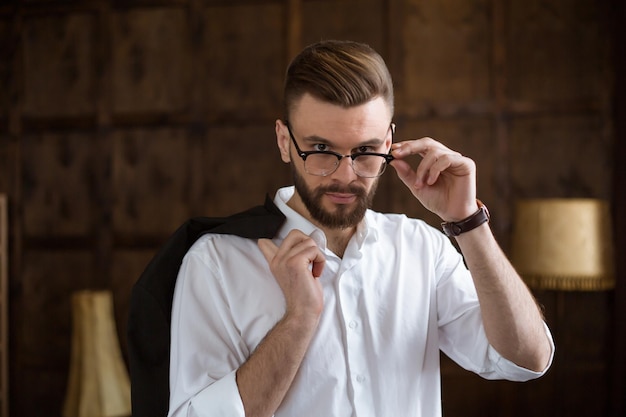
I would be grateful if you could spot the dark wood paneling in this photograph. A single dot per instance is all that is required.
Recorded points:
(243, 64)
(447, 61)
(358, 20)
(58, 172)
(6, 62)
(48, 310)
(59, 70)
(618, 339)
(561, 156)
(558, 50)
(231, 186)
(150, 176)
(150, 60)
(5, 160)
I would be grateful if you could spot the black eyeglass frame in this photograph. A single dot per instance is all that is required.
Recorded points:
(304, 154)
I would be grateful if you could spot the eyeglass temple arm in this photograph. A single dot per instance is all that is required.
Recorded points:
(389, 157)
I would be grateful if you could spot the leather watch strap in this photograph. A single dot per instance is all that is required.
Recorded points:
(456, 228)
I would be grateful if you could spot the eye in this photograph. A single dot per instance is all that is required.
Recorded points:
(364, 149)
(320, 147)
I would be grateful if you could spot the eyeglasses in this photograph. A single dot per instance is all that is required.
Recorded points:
(323, 163)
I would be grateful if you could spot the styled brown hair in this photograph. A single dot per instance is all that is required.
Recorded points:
(344, 73)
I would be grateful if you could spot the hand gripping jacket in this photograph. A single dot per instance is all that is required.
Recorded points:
(151, 302)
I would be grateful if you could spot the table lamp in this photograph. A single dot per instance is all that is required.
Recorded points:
(564, 244)
(98, 385)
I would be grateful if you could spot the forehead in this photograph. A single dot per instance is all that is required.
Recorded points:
(311, 116)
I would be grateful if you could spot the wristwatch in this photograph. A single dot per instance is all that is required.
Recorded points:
(481, 216)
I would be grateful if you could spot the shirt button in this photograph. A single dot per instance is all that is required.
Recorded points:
(360, 378)
(353, 325)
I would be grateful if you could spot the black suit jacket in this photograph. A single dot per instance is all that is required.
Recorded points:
(151, 302)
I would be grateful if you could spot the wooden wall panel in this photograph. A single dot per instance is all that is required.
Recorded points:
(6, 62)
(5, 163)
(241, 166)
(47, 392)
(243, 64)
(617, 361)
(59, 70)
(558, 50)
(560, 156)
(581, 331)
(58, 174)
(150, 181)
(447, 57)
(467, 394)
(150, 60)
(48, 279)
(358, 20)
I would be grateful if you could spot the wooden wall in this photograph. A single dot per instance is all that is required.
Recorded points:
(119, 119)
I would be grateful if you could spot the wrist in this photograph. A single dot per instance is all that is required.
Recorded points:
(301, 318)
(471, 222)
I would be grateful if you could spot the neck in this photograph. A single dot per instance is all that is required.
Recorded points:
(337, 242)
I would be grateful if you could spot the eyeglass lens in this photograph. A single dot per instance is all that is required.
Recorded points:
(368, 166)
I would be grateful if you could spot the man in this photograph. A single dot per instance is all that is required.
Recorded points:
(345, 311)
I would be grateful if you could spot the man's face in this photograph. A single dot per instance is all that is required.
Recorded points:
(338, 200)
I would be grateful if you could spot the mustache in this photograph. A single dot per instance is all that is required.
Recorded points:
(338, 188)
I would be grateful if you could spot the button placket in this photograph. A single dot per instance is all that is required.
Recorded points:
(349, 293)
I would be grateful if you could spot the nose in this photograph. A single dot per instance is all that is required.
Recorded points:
(345, 170)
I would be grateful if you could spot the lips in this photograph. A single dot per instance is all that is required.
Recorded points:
(341, 198)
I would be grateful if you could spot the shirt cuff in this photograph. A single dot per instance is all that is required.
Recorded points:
(219, 399)
(513, 372)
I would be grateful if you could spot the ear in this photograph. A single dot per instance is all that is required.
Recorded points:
(389, 139)
(283, 141)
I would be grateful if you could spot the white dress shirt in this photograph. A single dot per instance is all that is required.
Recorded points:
(400, 294)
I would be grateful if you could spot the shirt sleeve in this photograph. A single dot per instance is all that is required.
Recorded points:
(462, 334)
(219, 399)
(206, 348)
(504, 368)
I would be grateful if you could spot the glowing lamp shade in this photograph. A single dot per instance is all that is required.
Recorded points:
(564, 244)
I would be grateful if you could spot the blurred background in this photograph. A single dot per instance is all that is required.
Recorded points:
(121, 119)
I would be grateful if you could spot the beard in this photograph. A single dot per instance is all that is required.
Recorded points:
(343, 217)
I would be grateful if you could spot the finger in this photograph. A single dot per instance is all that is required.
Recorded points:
(268, 248)
(420, 147)
(308, 250)
(405, 172)
(317, 264)
(436, 165)
(452, 163)
(296, 245)
(426, 170)
(430, 150)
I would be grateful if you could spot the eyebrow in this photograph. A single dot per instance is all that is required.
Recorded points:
(314, 139)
